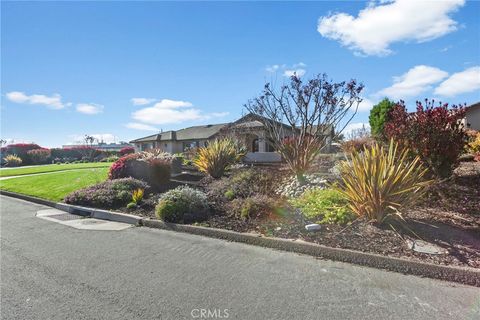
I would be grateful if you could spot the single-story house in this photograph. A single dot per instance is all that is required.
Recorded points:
(472, 117)
(249, 129)
(179, 140)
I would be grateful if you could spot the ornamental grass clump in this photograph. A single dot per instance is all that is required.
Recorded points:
(379, 181)
(215, 158)
(39, 156)
(12, 160)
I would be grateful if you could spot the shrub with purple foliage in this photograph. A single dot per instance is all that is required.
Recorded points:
(109, 194)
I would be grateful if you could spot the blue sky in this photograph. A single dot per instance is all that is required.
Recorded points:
(70, 69)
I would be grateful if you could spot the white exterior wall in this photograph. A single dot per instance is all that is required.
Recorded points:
(177, 147)
(473, 118)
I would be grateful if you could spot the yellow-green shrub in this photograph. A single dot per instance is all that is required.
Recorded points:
(473, 146)
(215, 158)
(380, 181)
(12, 160)
(324, 206)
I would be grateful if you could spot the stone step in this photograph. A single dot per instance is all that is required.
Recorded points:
(188, 176)
(185, 182)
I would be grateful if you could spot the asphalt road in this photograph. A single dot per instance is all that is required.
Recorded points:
(51, 271)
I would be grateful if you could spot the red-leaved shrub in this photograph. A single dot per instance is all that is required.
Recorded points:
(126, 150)
(155, 171)
(39, 156)
(119, 169)
(435, 134)
(357, 144)
(21, 149)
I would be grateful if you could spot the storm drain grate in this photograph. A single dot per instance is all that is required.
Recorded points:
(65, 217)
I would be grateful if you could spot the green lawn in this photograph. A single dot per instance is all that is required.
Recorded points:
(51, 167)
(55, 186)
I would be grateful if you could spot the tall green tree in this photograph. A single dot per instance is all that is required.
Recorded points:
(379, 116)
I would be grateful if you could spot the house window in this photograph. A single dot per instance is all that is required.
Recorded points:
(190, 145)
(255, 147)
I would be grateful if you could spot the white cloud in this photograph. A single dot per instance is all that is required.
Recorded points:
(172, 111)
(445, 49)
(274, 68)
(89, 108)
(365, 105)
(141, 126)
(53, 102)
(170, 104)
(297, 72)
(460, 82)
(142, 101)
(155, 115)
(378, 26)
(299, 65)
(288, 71)
(414, 82)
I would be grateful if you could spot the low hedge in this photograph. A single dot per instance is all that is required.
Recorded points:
(109, 194)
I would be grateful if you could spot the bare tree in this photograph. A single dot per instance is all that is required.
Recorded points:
(88, 151)
(300, 117)
(359, 133)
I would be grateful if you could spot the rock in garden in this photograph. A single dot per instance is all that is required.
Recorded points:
(313, 227)
(425, 247)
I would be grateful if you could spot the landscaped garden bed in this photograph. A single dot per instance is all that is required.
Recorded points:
(451, 223)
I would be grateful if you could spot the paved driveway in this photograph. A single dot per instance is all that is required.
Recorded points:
(52, 271)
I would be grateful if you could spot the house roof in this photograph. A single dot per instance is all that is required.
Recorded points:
(190, 133)
(251, 121)
(199, 132)
(473, 106)
(163, 136)
(248, 121)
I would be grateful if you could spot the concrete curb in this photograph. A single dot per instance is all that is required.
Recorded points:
(116, 216)
(469, 276)
(79, 210)
(464, 275)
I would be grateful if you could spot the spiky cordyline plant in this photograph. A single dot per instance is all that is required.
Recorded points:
(378, 182)
(215, 158)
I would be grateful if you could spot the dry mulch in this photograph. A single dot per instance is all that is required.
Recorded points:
(449, 217)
